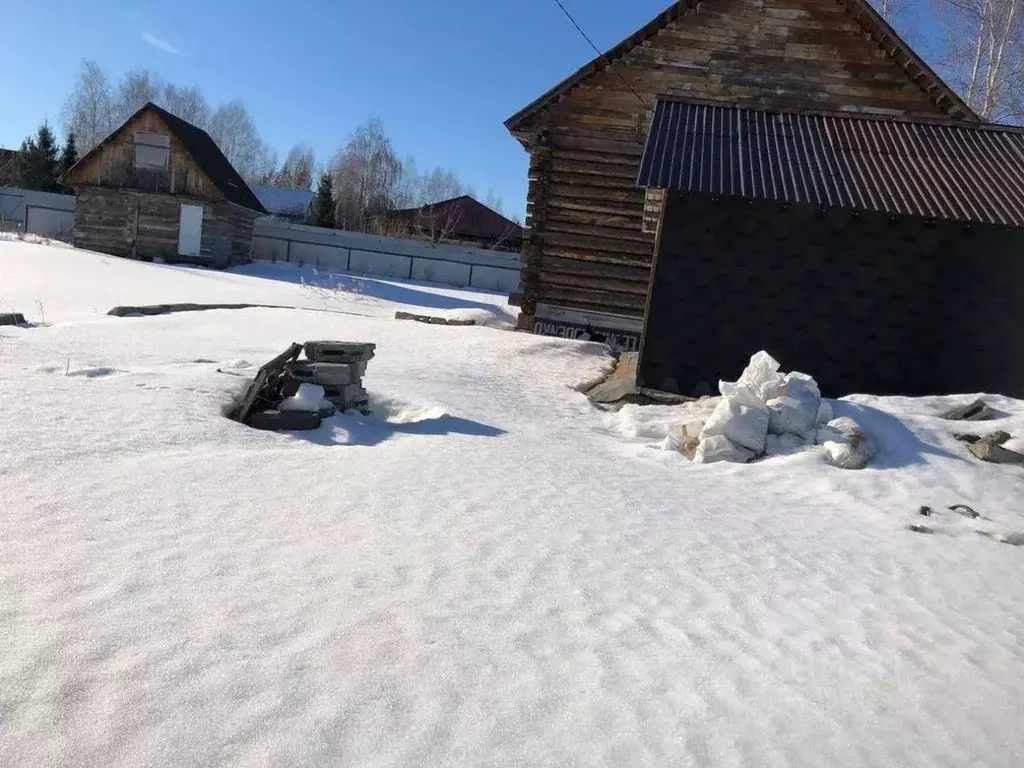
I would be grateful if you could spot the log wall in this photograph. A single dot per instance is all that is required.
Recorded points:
(587, 248)
(144, 225)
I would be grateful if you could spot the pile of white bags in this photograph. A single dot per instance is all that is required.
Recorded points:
(767, 413)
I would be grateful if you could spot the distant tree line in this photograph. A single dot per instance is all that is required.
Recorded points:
(362, 180)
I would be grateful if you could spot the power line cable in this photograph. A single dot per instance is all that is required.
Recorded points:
(599, 52)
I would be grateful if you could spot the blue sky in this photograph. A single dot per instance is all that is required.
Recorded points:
(442, 74)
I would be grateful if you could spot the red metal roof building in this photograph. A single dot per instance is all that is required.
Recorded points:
(460, 219)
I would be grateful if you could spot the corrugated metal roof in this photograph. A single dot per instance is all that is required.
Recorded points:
(284, 200)
(934, 169)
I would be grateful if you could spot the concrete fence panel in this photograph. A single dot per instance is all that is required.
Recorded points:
(49, 222)
(495, 279)
(446, 272)
(390, 257)
(380, 264)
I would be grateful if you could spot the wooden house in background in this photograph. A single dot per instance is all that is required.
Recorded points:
(160, 188)
(591, 229)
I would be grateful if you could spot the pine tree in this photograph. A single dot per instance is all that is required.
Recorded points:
(47, 144)
(35, 166)
(24, 173)
(68, 155)
(322, 212)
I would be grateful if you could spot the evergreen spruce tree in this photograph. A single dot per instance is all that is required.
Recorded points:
(47, 145)
(68, 154)
(36, 163)
(322, 212)
(24, 173)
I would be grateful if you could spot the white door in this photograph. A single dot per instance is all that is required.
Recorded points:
(190, 230)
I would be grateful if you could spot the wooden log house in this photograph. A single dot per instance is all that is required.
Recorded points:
(158, 187)
(587, 258)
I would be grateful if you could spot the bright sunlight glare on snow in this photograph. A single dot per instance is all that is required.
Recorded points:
(486, 570)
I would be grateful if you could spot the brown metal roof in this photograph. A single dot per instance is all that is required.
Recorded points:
(960, 171)
(870, 20)
(462, 217)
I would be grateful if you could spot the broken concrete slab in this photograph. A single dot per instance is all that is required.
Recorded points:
(996, 438)
(164, 309)
(995, 454)
(328, 375)
(12, 318)
(284, 421)
(339, 351)
(976, 411)
(432, 319)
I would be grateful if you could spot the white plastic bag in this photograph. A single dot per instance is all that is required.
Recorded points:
(720, 448)
(740, 418)
(825, 414)
(783, 445)
(796, 407)
(760, 378)
(683, 439)
(846, 445)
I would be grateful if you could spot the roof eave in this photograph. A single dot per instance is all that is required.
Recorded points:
(518, 124)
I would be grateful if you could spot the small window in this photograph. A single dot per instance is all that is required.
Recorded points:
(152, 150)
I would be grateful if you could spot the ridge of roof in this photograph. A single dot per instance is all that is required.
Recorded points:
(869, 19)
(202, 148)
(450, 200)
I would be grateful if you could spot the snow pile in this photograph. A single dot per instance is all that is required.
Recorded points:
(767, 413)
(309, 398)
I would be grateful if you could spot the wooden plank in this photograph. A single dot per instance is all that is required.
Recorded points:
(587, 282)
(623, 237)
(264, 376)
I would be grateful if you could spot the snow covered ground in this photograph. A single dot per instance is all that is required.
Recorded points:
(487, 572)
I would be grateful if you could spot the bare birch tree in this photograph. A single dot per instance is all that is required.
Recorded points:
(136, 89)
(296, 170)
(89, 110)
(366, 173)
(984, 42)
(236, 135)
(187, 103)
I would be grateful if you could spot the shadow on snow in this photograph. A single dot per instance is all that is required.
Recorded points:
(389, 289)
(897, 445)
(356, 429)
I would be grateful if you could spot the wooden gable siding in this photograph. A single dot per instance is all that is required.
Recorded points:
(588, 249)
(112, 165)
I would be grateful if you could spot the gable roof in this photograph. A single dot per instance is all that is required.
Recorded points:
(970, 172)
(465, 216)
(284, 200)
(874, 25)
(203, 149)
